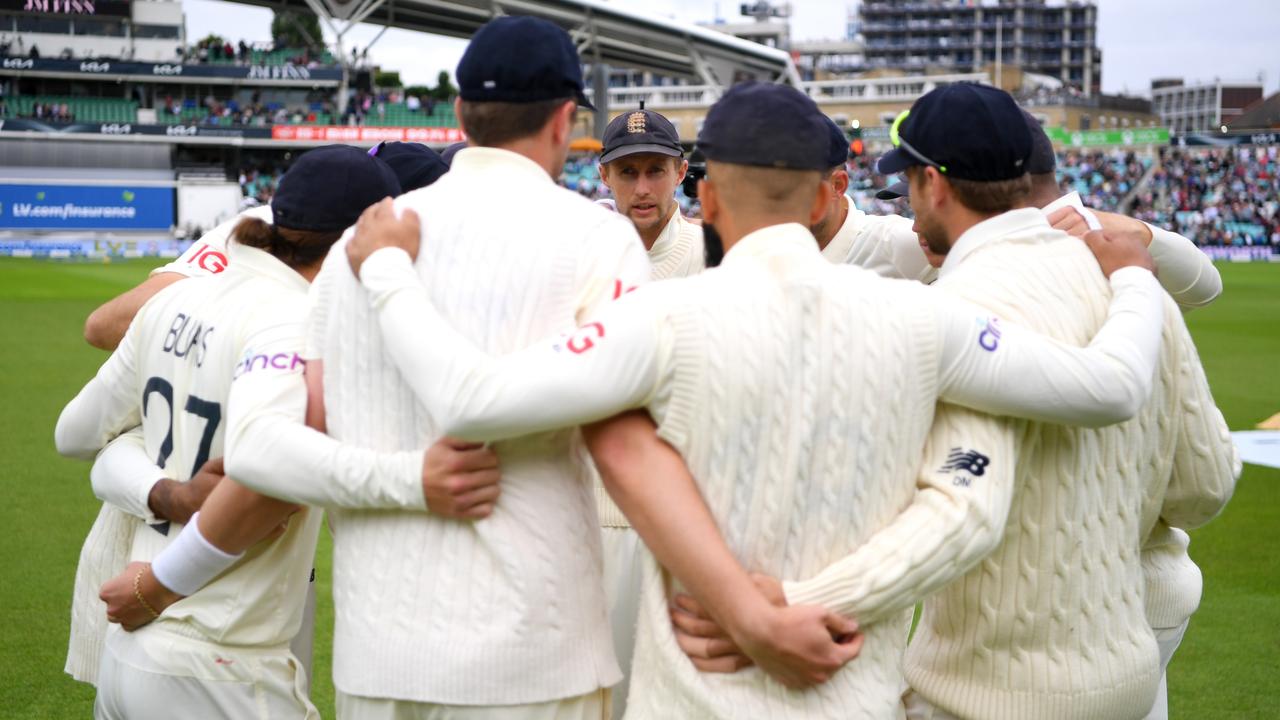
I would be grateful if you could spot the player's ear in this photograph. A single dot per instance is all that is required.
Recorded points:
(710, 201)
(820, 201)
(937, 190)
(562, 122)
(840, 181)
(603, 169)
(682, 168)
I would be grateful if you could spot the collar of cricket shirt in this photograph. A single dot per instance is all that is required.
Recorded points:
(475, 160)
(837, 251)
(1003, 225)
(263, 264)
(785, 239)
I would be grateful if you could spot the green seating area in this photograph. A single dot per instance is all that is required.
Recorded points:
(397, 115)
(84, 109)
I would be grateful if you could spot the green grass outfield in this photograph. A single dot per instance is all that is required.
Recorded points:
(1228, 666)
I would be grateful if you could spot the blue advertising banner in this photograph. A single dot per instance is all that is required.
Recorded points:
(85, 207)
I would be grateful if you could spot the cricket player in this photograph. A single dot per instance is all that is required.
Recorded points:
(1173, 582)
(772, 375)
(124, 475)
(643, 163)
(883, 244)
(1053, 624)
(503, 618)
(201, 357)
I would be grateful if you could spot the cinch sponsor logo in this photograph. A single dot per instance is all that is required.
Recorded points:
(279, 361)
(989, 338)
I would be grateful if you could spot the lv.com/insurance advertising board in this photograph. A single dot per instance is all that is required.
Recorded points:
(85, 207)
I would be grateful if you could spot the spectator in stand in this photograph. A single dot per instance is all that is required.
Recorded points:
(1218, 196)
(413, 103)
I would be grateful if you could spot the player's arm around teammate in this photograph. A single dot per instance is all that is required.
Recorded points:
(1185, 271)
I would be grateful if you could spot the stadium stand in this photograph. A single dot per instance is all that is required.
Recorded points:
(1217, 196)
(77, 108)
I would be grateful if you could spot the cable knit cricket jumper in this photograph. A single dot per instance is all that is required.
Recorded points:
(678, 252)
(509, 609)
(1053, 624)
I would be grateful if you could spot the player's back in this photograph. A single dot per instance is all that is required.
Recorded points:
(508, 258)
(1052, 623)
(801, 396)
(191, 341)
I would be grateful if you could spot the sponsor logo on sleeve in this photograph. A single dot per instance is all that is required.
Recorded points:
(288, 362)
(960, 461)
(989, 338)
(208, 259)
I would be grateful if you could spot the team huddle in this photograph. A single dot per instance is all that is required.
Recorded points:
(571, 471)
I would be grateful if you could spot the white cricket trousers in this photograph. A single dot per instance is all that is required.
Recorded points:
(152, 674)
(1168, 639)
(623, 552)
(592, 706)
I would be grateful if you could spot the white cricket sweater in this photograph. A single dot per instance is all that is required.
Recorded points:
(884, 244)
(1052, 624)
(769, 374)
(509, 609)
(678, 252)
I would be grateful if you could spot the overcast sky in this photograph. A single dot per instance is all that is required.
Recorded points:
(1140, 39)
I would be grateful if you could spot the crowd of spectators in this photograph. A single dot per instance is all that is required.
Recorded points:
(258, 184)
(1103, 178)
(213, 49)
(213, 111)
(55, 112)
(1216, 196)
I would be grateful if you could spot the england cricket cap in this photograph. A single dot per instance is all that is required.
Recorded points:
(521, 59)
(640, 131)
(838, 154)
(415, 165)
(766, 125)
(966, 130)
(327, 188)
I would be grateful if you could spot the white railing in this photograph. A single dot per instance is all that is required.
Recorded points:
(833, 91)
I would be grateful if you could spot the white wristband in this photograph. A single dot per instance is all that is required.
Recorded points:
(190, 562)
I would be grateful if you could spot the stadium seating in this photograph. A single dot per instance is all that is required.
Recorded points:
(83, 109)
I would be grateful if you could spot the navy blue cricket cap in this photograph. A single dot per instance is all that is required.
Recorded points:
(766, 125)
(640, 131)
(450, 151)
(415, 165)
(521, 59)
(973, 132)
(839, 152)
(1042, 161)
(327, 188)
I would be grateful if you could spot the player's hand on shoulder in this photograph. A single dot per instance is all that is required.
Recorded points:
(379, 228)
(460, 479)
(134, 597)
(1118, 251)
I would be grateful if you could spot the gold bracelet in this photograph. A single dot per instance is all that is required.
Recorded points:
(137, 593)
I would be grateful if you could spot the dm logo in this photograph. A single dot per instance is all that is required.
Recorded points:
(40, 195)
(1, 209)
(127, 195)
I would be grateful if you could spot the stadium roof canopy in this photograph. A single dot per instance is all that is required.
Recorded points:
(603, 33)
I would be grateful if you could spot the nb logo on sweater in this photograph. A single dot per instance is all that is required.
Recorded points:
(970, 461)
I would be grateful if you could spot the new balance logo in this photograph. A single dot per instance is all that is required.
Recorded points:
(970, 461)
